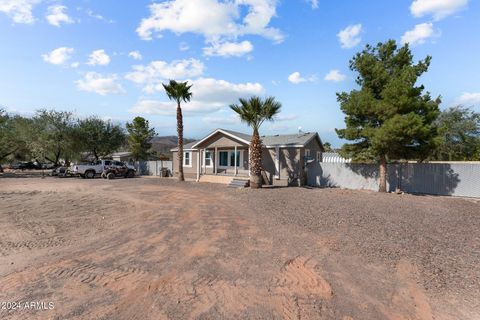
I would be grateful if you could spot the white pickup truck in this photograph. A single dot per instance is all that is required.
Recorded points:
(93, 169)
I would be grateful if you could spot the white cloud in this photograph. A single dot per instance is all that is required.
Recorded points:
(59, 56)
(183, 46)
(222, 92)
(152, 75)
(419, 34)
(297, 78)
(214, 19)
(350, 36)
(439, 9)
(57, 15)
(136, 55)
(314, 4)
(20, 11)
(103, 85)
(98, 57)
(469, 99)
(97, 16)
(75, 64)
(229, 49)
(208, 95)
(335, 76)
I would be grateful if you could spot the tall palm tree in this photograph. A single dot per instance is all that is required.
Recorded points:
(254, 112)
(179, 91)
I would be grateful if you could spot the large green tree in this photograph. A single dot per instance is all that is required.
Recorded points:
(139, 138)
(254, 112)
(14, 134)
(52, 136)
(389, 116)
(99, 137)
(178, 92)
(8, 145)
(459, 130)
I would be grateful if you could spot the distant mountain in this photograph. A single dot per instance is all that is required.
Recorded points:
(162, 145)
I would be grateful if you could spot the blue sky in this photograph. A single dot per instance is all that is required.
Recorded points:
(109, 57)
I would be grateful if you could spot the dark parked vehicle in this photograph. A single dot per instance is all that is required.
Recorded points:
(24, 165)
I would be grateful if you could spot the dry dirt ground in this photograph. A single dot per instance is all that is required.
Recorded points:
(148, 248)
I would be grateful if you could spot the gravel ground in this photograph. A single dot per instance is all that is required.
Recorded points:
(152, 248)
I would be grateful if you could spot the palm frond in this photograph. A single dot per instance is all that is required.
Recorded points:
(178, 91)
(255, 111)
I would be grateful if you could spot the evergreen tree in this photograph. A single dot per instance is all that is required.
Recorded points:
(389, 116)
(139, 137)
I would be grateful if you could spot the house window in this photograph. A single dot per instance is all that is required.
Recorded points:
(187, 161)
(232, 158)
(319, 156)
(223, 158)
(207, 161)
(307, 152)
(227, 158)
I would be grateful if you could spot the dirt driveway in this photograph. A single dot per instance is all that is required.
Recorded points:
(149, 248)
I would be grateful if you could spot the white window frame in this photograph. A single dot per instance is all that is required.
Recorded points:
(189, 159)
(319, 156)
(205, 157)
(230, 165)
(307, 152)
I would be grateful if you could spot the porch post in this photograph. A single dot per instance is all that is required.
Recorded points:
(204, 162)
(216, 160)
(235, 160)
(198, 164)
(249, 161)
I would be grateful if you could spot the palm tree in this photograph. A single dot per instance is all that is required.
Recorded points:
(254, 112)
(179, 91)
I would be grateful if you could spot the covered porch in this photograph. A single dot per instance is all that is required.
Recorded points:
(223, 161)
(222, 154)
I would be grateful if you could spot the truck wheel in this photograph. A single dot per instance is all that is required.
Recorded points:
(90, 174)
(110, 176)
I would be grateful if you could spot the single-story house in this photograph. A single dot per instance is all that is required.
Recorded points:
(226, 153)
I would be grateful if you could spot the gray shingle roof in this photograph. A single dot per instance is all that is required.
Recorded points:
(243, 136)
(279, 139)
(288, 139)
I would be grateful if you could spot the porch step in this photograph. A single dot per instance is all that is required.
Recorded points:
(224, 179)
(239, 183)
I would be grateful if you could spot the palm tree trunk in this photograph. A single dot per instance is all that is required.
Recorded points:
(383, 174)
(255, 160)
(180, 143)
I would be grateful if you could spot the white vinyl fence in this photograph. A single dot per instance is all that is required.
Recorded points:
(153, 168)
(423, 178)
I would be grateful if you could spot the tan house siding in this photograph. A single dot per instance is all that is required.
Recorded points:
(220, 141)
(290, 164)
(189, 172)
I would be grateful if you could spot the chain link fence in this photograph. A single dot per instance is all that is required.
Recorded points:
(447, 179)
